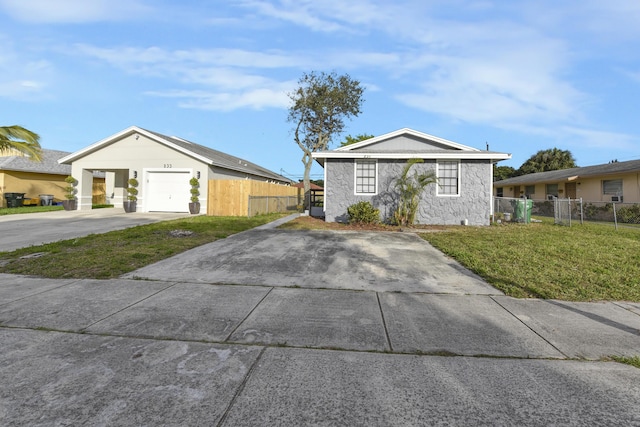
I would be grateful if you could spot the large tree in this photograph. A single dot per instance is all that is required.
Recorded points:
(503, 172)
(348, 140)
(548, 160)
(17, 138)
(320, 105)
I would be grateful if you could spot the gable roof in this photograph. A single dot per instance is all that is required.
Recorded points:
(205, 154)
(430, 147)
(48, 165)
(572, 174)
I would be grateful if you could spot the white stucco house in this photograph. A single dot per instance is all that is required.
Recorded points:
(163, 166)
(368, 170)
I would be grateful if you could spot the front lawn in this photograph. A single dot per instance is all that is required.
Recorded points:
(109, 255)
(580, 263)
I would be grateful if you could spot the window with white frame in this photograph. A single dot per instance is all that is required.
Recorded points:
(366, 177)
(448, 178)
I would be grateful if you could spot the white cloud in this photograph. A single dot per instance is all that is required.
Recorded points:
(73, 11)
(22, 78)
(274, 96)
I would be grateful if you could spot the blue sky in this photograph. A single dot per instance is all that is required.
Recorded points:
(519, 75)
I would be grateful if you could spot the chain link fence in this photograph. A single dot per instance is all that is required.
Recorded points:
(272, 204)
(566, 211)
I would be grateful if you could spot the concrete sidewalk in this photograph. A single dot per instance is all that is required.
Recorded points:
(273, 327)
(152, 352)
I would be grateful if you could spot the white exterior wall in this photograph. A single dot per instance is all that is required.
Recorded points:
(134, 153)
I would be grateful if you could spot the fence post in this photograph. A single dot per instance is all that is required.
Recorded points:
(615, 216)
(581, 213)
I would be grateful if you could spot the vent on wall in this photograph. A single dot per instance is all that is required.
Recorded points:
(616, 199)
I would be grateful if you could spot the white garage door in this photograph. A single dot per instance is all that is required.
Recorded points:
(168, 192)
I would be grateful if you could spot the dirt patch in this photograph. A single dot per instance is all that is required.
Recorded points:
(311, 223)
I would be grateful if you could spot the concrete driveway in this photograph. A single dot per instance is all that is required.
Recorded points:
(309, 328)
(384, 262)
(19, 231)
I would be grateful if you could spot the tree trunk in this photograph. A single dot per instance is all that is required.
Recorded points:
(307, 160)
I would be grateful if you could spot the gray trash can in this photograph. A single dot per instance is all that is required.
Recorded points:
(14, 200)
(46, 199)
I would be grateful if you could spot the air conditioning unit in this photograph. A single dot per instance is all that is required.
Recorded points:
(616, 199)
(550, 196)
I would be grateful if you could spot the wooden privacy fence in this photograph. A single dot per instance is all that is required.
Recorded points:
(230, 197)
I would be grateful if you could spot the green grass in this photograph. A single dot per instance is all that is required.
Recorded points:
(587, 262)
(109, 255)
(29, 209)
(633, 361)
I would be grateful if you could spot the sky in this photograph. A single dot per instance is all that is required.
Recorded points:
(518, 75)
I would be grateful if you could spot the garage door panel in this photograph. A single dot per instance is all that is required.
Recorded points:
(168, 192)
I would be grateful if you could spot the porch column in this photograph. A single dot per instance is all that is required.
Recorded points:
(119, 188)
(85, 190)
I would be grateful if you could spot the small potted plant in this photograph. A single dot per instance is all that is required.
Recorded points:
(194, 206)
(132, 196)
(71, 204)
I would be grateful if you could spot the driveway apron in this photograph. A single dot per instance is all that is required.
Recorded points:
(381, 262)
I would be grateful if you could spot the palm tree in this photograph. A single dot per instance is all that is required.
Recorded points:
(409, 188)
(22, 140)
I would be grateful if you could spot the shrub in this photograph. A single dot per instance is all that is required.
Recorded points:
(363, 213)
(629, 214)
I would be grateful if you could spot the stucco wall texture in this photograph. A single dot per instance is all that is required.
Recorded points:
(473, 204)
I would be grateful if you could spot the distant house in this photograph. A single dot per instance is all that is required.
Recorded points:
(163, 166)
(19, 174)
(368, 170)
(609, 182)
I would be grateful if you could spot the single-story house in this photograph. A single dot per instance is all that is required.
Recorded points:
(19, 174)
(369, 169)
(163, 166)
(609, 182)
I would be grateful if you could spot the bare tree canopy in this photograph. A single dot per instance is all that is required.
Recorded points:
(320, 105)
(22, 140)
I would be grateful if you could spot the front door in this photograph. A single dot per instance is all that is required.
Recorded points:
(516, 191)
(570, 190)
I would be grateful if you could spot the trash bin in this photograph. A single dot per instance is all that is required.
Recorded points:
(523, 210)
(14, 200)
(46, 199)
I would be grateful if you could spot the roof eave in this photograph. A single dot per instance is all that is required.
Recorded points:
(404, 131)
(475, 155)
(124, 133)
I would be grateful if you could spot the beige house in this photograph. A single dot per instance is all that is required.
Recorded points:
(19, 174)
(610, 182)
(163, 166)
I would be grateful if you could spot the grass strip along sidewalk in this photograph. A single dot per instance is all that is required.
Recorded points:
(109, 255)
(586, 262)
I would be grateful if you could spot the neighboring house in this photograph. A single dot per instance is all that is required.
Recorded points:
(368, 171)
(610, 182)
(163, 166)
(19, 174)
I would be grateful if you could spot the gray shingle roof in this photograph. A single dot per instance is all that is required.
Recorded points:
(49, 163)
(223, 160)
(564, 174)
